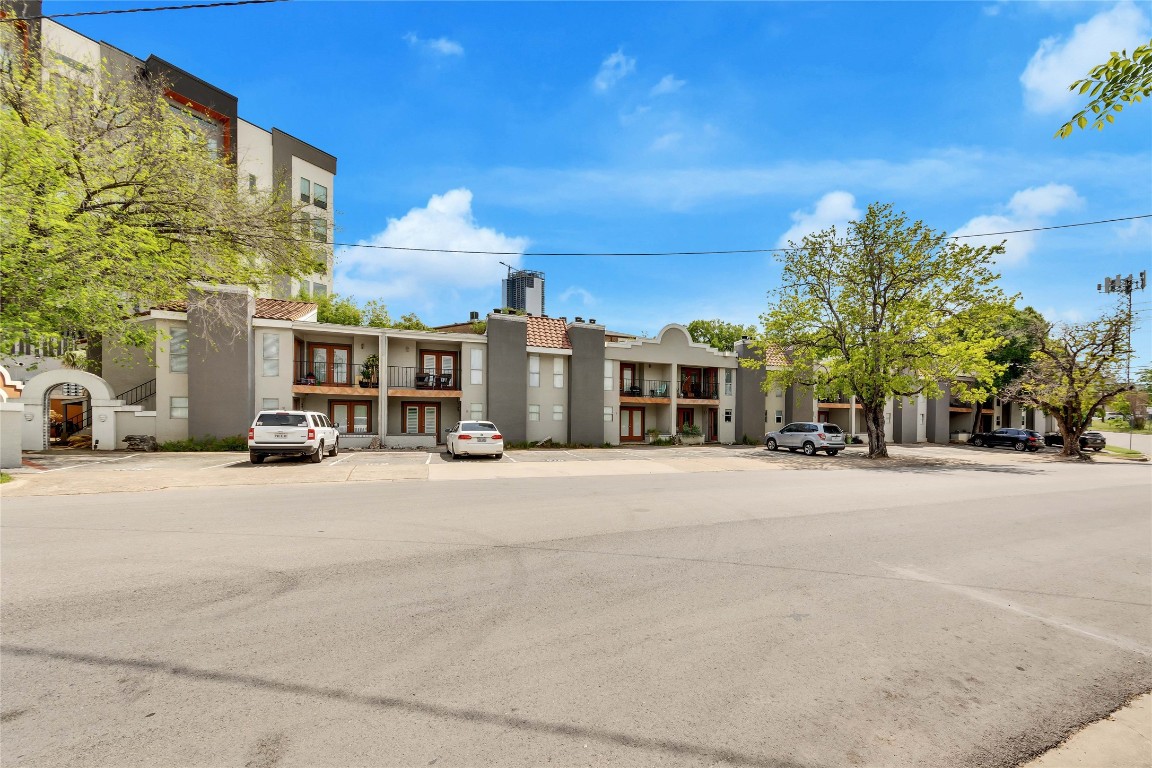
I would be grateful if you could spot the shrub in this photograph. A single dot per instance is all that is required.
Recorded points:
(207, 443)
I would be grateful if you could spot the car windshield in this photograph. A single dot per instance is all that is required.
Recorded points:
(477, 426)
(832, 429)
(281, 420)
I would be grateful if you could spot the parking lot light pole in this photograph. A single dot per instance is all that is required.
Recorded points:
(1126, 285)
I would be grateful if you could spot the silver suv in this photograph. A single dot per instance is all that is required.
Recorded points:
(808, 436)
(292, 433)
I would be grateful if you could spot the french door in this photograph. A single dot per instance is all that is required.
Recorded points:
(331, 364)
(631, 424)
(352, 417)
(422, 419)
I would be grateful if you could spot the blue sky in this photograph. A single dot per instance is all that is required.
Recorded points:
(597, 127)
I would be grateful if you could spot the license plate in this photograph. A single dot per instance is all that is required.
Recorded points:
(481, 439)
(281, 435)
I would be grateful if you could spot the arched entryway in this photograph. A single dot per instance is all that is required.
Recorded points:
(37, 400)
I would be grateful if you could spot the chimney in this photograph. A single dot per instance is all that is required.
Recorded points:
(592, 320)
(579, 319)
(473, 316)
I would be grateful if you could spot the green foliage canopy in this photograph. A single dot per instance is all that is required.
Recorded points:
(719, 334)
(890, 310)
(110, 202)
(1120, 80)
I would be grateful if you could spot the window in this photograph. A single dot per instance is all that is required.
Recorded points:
(252, 183)
(437, 370)
(533, 413)
(476, 366)
(728, 383)
(557, 413)
(421, 419)
(319, 289)
(352, 416)
(608, 376)
(305, 190)
(328, 364)
(319, 196)
(178, 351)
(533, 370)
(272, 354)
(779, 417)
(270, 404)
(320, 229)
(558, 372)
(728, 415)
(607, 413)
(476, 411)
(779, 393)
(178, 408)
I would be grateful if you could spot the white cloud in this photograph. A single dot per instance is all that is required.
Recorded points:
(441, 46)
(575, 292)
(446, 223)
(1058, 63)
(666, 141)
(614, 69)
(667, 84)
(834, 209)
(1028, 208)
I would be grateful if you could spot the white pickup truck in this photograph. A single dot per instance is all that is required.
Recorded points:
(292, 433)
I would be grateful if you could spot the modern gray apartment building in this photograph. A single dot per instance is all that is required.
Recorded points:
(523, 290)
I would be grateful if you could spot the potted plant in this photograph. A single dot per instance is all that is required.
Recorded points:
(690, 434)
(370, 371)
(653, 434)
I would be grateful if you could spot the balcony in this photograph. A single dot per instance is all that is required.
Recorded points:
(335, 377)
(699, 390)
(645, 391)
(422, 382)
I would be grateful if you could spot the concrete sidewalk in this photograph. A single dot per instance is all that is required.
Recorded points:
(1121, 740)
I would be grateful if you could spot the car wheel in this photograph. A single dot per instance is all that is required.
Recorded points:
(256, 458)
(451, 454)
(833, 453)
(317, 456)
(809, 449)
(335, 448)
(978, 442)
(498, 456)
(1097, 449)
(1020, 446)
(771, 444)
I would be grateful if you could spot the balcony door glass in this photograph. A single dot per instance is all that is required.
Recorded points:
(320, 364)
(340, 417)
(340, 366)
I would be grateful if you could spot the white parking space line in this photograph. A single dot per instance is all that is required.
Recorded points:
(232, 463)
(334, 463)
(428, 460)
(101, 461)
(580, 458)
(511, 459)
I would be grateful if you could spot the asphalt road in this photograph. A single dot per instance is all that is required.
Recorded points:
(923, 616)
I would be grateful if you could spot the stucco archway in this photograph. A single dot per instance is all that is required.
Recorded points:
(103, 402)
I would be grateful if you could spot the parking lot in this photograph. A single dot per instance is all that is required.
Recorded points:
(67, 472)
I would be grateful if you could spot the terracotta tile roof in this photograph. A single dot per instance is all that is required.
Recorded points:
(279, 309)
(266, 309)
(551, 332)
(775, 356)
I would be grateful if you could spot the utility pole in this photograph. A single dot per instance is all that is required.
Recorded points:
(1126, 285)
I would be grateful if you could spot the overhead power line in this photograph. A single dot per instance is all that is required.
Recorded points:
(734, 252)
(107, 12)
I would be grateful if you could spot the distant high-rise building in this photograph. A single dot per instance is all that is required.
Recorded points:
(524, 290)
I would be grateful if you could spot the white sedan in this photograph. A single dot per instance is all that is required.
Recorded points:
(474, 438)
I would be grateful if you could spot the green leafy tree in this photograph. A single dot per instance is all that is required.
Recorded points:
(375, 314)
(719, 334)
(410, 322)
(890, 311)
(1120, 80)
(1018, 328)
(110, 201)
(334, 308)
(1075, 369)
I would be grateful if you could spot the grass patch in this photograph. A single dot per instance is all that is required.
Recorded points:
(207, 444)
(1116, 425)
(5, 477)
(1117, 450)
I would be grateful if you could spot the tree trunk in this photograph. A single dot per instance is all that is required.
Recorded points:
(874, 421)
(1070, 430)
(977, 409)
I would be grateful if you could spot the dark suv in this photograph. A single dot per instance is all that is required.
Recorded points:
(1018, 439)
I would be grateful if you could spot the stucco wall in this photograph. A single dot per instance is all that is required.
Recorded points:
(279, 385)
(547, 397)
(220, 361)
(508, 375)
(11, 424)
(133, 422)
(585, 381)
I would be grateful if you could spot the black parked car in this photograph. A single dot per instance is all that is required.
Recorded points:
(1019, 439)
(1093, 440)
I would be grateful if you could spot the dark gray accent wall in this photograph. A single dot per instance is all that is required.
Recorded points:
(904, 419)
(220, 362)
(508, 375)
(285, 146)
(798, 405)
(750, 395)
(586, 384)
(203, 93)
(939, 417)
